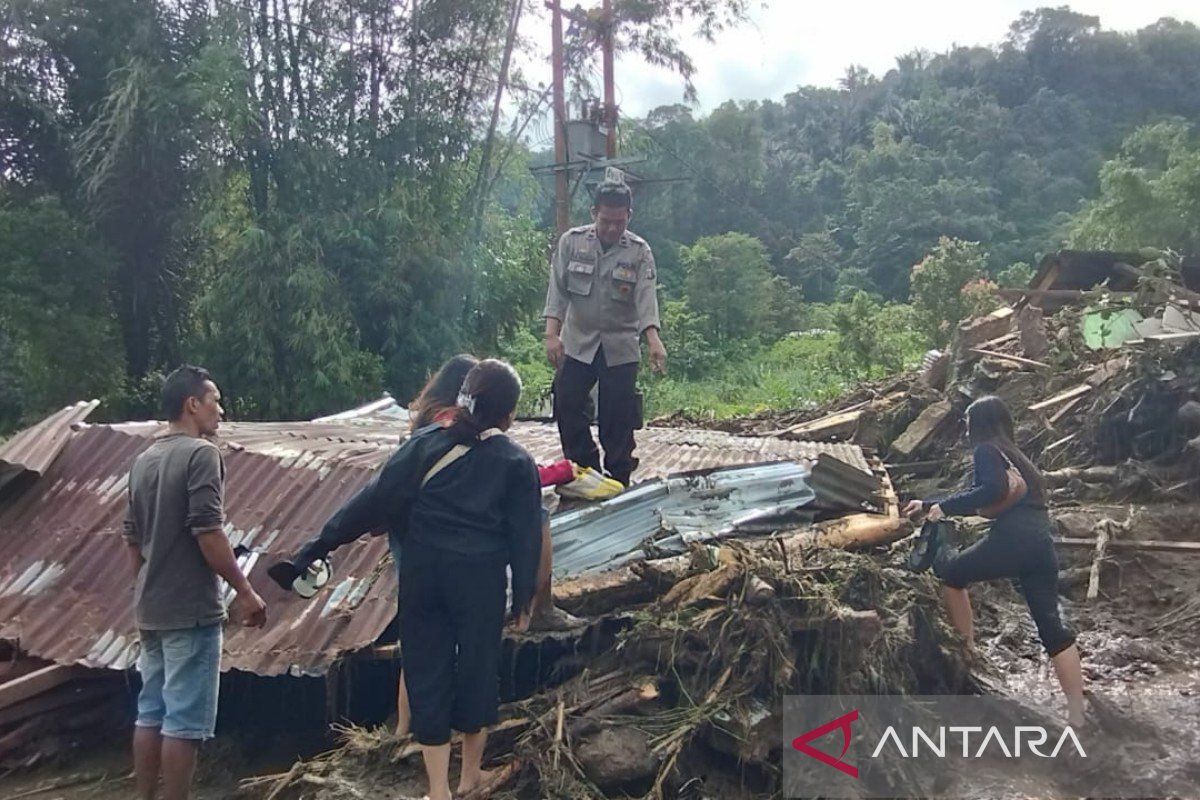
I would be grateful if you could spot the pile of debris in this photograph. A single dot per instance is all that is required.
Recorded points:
(687, 703)
(686, 700)
(1105, 386)
(48, 710)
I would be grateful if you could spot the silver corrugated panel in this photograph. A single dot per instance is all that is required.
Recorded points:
(669, 512)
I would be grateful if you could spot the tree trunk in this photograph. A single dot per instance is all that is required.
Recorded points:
(479, 198)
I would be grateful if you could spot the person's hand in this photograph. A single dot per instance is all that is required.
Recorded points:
(554, 350)
(935, 513)
(249, 609)
(912, 508)
(658, 356)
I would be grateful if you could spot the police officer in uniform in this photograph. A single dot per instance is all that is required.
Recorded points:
(600, 302)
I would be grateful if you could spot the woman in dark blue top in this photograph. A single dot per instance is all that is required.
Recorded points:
(1018, 545)
(461, 521)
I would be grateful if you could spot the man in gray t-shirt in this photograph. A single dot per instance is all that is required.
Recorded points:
(174, 531)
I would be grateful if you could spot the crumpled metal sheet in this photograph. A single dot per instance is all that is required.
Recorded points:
(673, 511)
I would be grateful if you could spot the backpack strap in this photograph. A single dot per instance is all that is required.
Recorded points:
(455, 453)
(452, 455)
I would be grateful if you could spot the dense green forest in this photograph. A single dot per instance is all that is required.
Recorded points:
(320, 200)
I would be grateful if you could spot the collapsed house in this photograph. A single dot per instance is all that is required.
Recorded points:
(66, 590)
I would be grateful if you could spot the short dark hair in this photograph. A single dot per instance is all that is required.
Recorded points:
(186, 381)
(614, 195)
(494, 388)
(442, 390)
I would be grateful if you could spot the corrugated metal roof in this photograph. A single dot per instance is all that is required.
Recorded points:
(35, 448)
(674, 511)
(65, 586)
(66, 590)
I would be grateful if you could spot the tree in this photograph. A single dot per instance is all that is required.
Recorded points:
(729, 282)
(1149, 194)
(59, 340)
(815, 262)
(938, 300)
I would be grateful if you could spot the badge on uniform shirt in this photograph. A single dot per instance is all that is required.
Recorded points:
(624, 278)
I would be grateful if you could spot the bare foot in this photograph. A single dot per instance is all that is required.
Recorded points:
(466, 786)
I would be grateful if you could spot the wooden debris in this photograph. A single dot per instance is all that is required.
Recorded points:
(1028, 362)
(1061, 477)
(1066, 409)
(496, 780)
(923, 429)
(1069, 394)
(841, 425)
(598, 594)
(1166, 338)
(974, 332)
(1031, 328)
(33, 684)
(1059, 443)
(837, 426)
(861, 530)
(1127, 544)
(1102, 538)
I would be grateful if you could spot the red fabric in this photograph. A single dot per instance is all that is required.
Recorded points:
(558, 473)
(445, 416)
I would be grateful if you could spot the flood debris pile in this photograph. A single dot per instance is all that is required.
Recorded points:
(1099, 360)
(687, 703)
(689, 699)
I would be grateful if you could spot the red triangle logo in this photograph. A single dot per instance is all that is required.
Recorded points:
(801, 743)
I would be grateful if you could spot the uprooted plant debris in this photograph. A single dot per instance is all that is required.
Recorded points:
(698, 677)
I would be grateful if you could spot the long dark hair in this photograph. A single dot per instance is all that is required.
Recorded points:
(490, 392)
(442, 390)
(990, 422)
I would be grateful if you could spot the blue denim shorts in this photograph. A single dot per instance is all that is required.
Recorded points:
(181, 672)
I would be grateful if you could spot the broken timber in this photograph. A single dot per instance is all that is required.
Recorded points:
(923, 429)
(644, 581)
(1028, 362)
(1125, 544)
(1102, 537)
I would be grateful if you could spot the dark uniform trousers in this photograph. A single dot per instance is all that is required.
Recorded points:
(618, 414)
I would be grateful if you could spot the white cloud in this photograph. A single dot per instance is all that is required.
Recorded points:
(790, 43)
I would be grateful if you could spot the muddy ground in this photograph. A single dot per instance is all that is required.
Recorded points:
(1140, 640)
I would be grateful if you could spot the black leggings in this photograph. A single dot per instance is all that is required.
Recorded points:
(451, 622)
(1018, 546)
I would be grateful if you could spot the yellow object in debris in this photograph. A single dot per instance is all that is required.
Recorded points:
(590, 485)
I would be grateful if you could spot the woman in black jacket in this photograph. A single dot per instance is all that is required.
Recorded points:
(1018, 545)
(464, 502)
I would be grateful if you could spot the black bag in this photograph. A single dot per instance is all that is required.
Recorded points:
(932, 538)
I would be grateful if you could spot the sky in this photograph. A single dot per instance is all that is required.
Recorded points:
(789, 43)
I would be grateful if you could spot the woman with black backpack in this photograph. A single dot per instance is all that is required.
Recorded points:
(1009, 489)
(464, 502)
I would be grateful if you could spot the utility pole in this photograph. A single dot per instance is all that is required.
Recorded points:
(610, 101)
(562, 200)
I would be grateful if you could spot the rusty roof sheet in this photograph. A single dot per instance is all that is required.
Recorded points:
(35, 448)
(65, 588)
